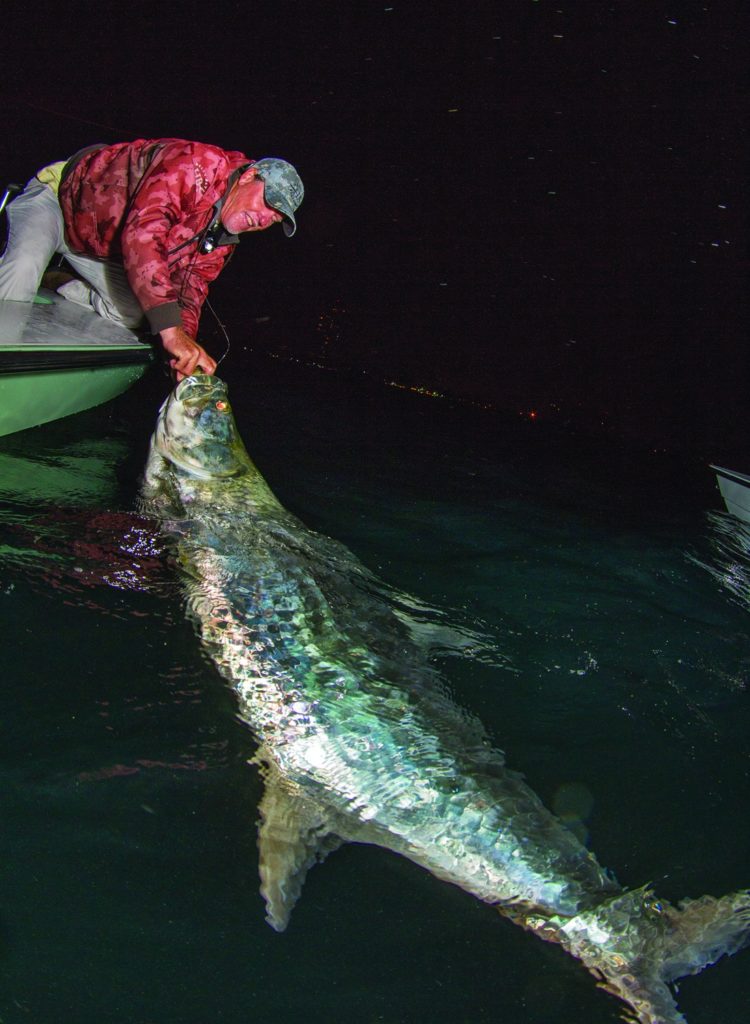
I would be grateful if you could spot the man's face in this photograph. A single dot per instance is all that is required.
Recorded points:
(244, 208)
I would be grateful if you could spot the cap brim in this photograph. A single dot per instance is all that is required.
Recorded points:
(278, 202)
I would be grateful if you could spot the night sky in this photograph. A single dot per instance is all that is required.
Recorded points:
(538, 205)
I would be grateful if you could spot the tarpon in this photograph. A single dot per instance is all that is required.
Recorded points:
(358, 742)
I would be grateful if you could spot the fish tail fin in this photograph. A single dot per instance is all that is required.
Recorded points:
(705, 930)
(636, 945)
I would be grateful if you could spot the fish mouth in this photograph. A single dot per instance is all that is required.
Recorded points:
(196, 430)
(199, 386)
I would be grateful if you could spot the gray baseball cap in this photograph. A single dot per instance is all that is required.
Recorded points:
(282, 189)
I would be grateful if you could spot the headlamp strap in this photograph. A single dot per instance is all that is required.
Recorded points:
(214, 233)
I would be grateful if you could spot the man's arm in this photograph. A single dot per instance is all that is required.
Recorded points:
(186, 355)
(172, 297)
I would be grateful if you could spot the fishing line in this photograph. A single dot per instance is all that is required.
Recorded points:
(72, 117)
(223, 329)
(185, 278)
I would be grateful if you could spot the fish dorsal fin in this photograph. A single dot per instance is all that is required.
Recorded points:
(292, 836)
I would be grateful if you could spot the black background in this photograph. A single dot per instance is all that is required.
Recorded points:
(532, 205)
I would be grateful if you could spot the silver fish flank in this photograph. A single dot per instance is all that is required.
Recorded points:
(358, 741)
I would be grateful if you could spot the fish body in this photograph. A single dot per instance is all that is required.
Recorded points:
(358, 740)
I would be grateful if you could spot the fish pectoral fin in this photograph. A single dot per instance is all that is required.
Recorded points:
(292, 837)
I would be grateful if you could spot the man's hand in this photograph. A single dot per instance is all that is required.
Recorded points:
(187, 356)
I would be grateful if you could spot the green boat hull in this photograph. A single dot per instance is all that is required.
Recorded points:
(30, 399)
(57, 359)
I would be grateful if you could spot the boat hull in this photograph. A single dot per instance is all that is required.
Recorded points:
(57, 359)
(735, 490)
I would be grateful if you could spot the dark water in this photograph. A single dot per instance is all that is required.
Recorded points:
(612, 595)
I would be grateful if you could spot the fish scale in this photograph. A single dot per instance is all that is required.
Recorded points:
(373, 749)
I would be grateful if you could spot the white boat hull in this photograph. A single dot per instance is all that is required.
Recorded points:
(735, 490)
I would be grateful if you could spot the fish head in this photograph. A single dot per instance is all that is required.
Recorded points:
(196, 432)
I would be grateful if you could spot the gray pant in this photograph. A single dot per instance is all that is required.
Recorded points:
(35, 233)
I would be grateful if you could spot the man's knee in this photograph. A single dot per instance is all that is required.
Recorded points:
(20, 273)
(119, 313)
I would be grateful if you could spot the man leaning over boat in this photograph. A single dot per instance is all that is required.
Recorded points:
(146, 226)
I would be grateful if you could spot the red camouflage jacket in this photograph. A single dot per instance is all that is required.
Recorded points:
(138, 201)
